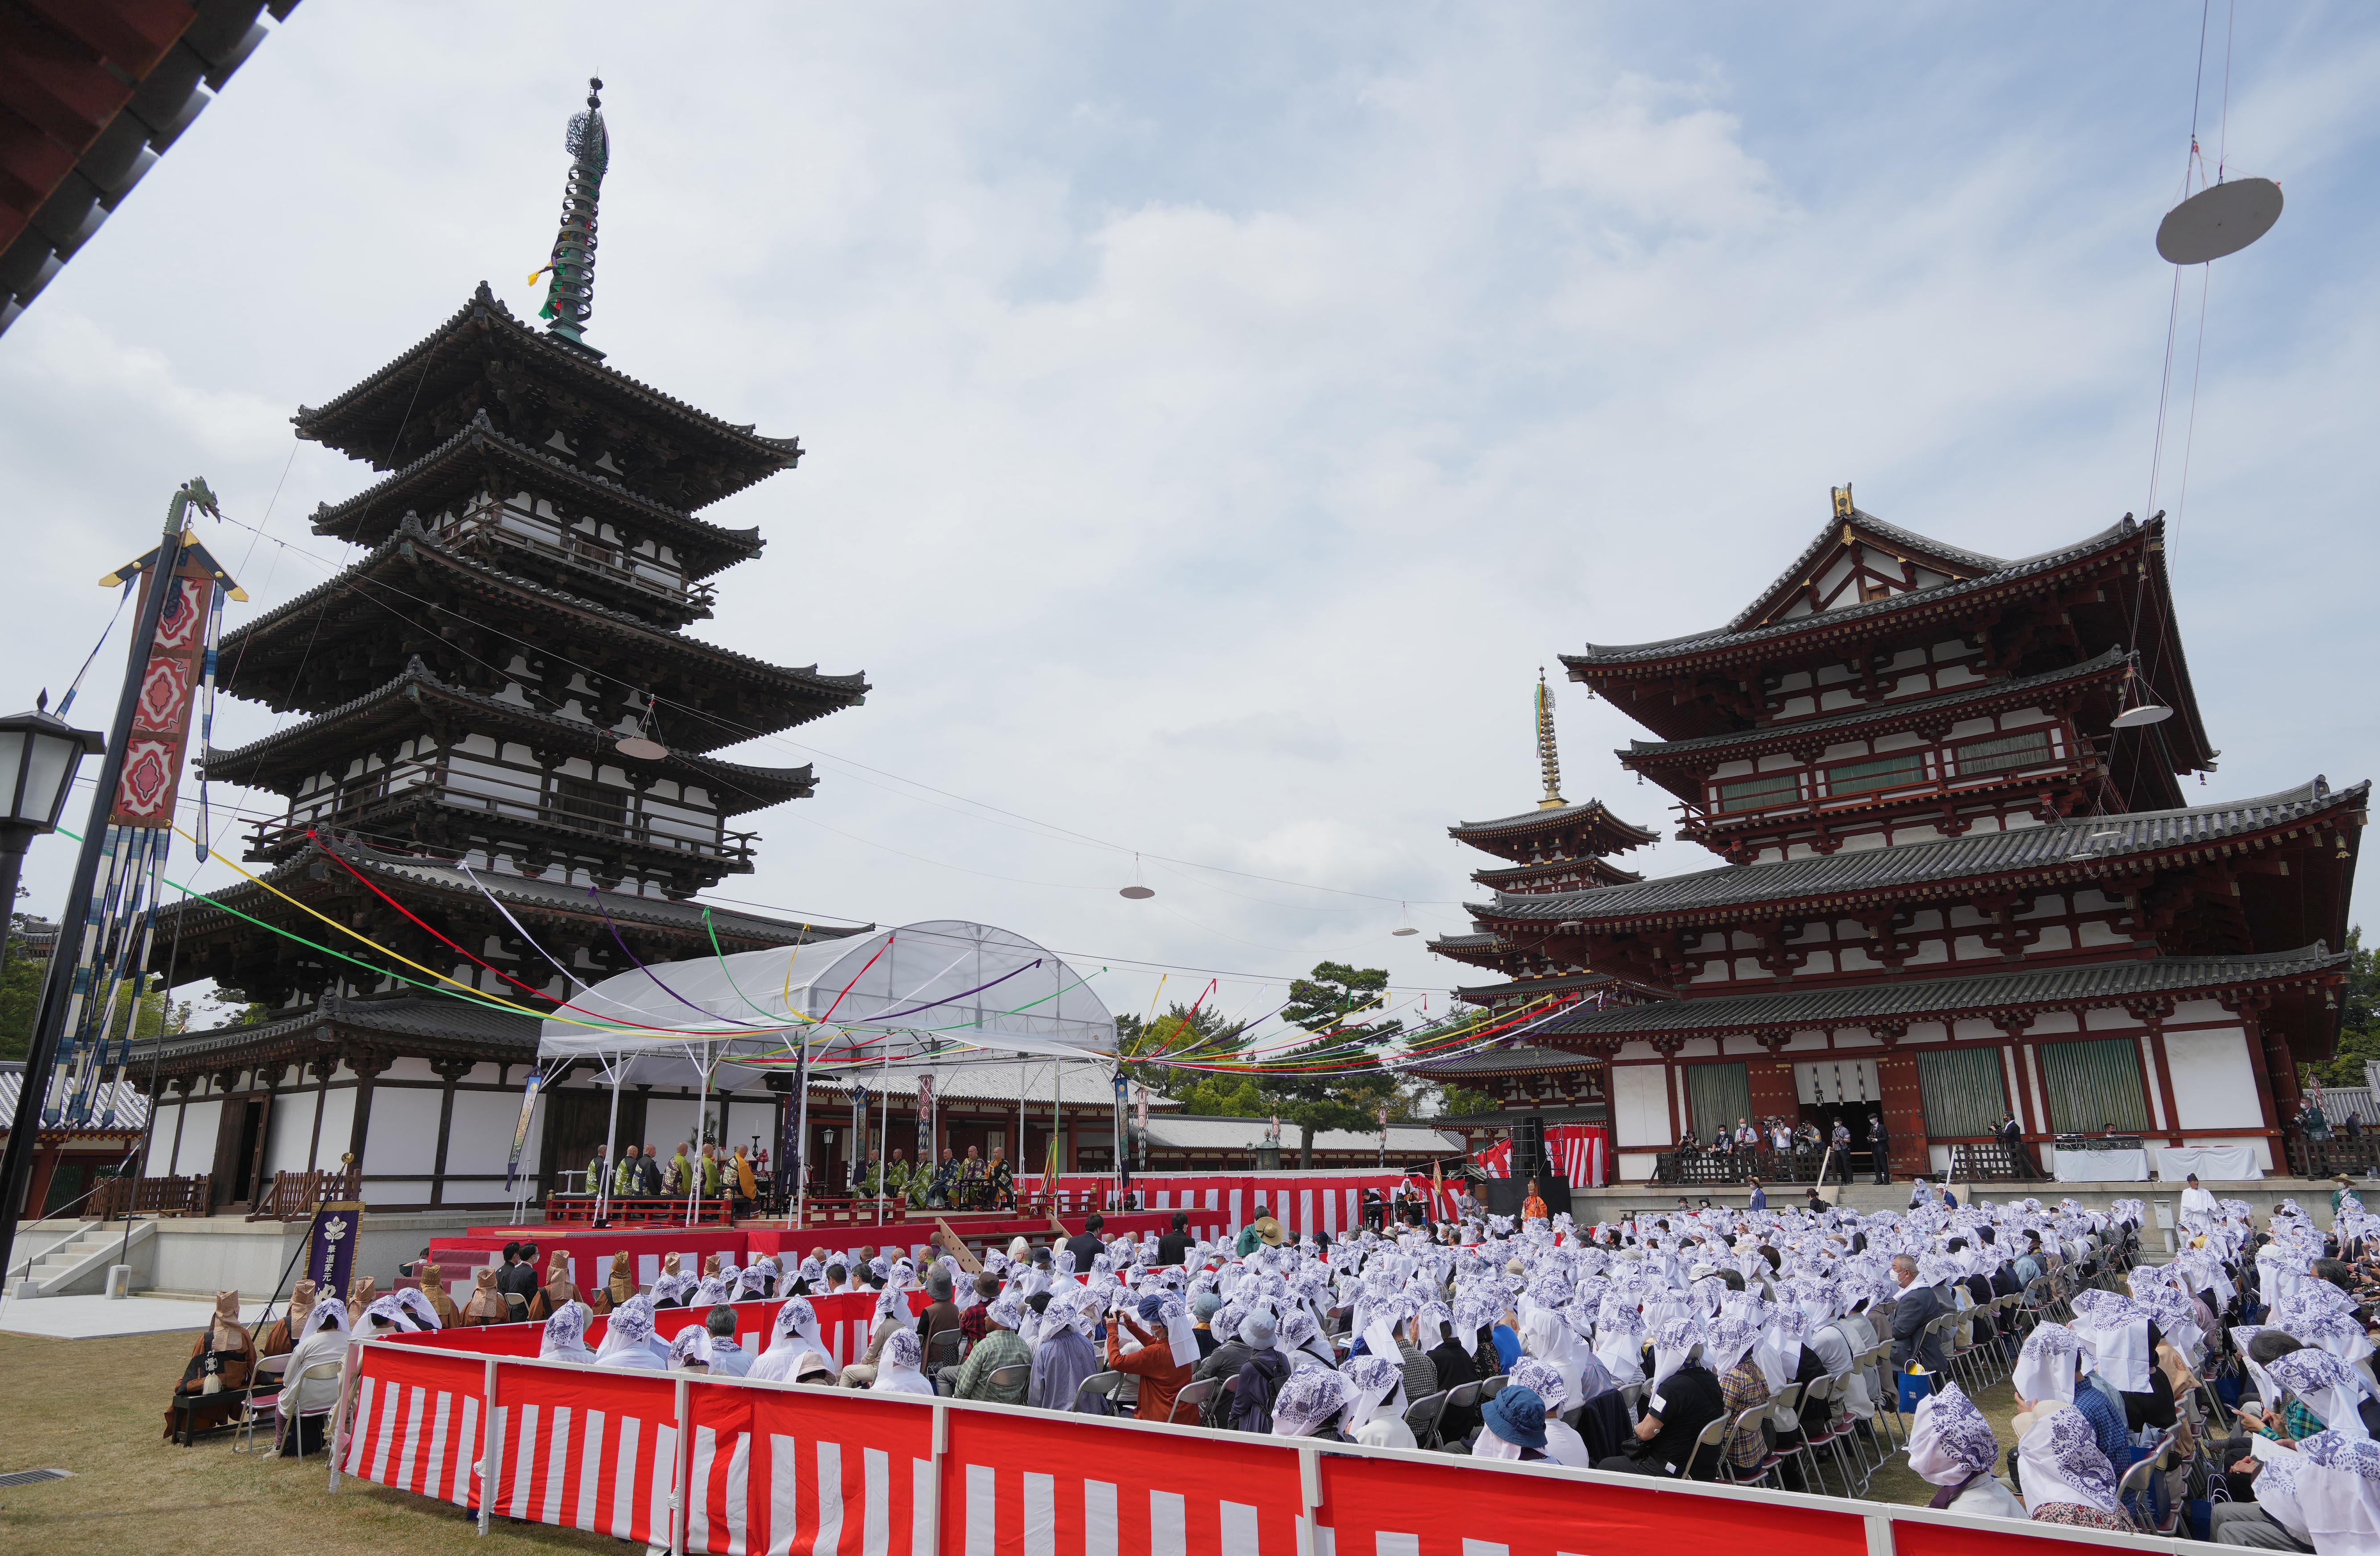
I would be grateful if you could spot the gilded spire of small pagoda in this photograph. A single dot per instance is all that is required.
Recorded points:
(570, 294)
(1548, 760)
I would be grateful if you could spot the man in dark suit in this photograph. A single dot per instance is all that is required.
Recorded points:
(1175, 1247)
(1879, 1146)
(1916, 1307)
(1088, 1245)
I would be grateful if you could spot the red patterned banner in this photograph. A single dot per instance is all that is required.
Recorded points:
(160, 721)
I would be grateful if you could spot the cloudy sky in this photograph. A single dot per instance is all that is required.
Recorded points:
(1216, 413)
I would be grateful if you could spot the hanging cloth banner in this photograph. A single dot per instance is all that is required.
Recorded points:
(169, 686)
(926, 1152)
(330, 1247)
(520, 1129)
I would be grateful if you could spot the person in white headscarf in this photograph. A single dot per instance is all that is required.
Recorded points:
(2064, 1478)
(2339, 1490)
(892, 1318)
(1545, 1336)
(628, 1338)
(1311, 1402)
(1564, 1445)
(563, 1338)
(417, 1307)
(690, 1352)
(900, 1368)
(795, 1332)
(1951, 1445)
(1377, 1418)
(2328, 1387)
(305, 1403)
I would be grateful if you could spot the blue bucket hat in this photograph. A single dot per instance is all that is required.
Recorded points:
(1517, 1414)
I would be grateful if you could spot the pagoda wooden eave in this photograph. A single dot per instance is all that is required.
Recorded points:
(1585, 864)
(1953, 562)
(285, 758)
(697, 671)
(479, 454)
(483, 346)
(2103, 851)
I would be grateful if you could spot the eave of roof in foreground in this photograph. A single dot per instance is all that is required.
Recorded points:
(2084, 849)
(1894, 1003)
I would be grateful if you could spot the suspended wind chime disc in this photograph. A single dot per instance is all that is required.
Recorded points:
(2219, 220)
(1137, 893)
(637, 748)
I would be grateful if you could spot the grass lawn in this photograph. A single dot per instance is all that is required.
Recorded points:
(96, 1407)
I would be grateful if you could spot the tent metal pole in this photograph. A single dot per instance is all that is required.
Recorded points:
(611, 1149)
(800, 1164)
(884, 1136)
(694, 1166)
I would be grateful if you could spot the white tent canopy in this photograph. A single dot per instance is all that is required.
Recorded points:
(942, 990)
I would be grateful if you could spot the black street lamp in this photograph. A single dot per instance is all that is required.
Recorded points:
(39, 753)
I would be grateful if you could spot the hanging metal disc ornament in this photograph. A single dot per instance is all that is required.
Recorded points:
(638, 748)
(2220, 219)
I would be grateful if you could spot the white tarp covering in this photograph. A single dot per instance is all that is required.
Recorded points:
(943, 990)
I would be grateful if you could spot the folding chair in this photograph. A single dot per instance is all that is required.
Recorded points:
(1788, 1397)
(2132, 1490)
(1490, 1387)
(1102, 1385)
(1459, 1397)
(321, 1371)
(1422, 1416)
(1009, 1377)
(1714, 1437)
(1194, 1398)
(943, 1350)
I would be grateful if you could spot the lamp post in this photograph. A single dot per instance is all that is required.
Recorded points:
(39, 753)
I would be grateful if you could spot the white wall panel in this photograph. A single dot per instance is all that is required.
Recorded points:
(161, 1143)
(669, 1123)
(290, 1130)
(481, 1138)
(339, 1124)
(199, 1137)
(2214, 1080)
(1640, 1105)
(404, 1133)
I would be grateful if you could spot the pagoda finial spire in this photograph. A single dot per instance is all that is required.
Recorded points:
(570, 294)
(1548, 760)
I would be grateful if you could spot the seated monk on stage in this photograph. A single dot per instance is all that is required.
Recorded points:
(1003, 1182)
(618, 1287)
(441, 1302)
(359, 1296)
(558, 1290)
(222, 1360)
(487, 1304)
(280, 1336)
(972, 1181)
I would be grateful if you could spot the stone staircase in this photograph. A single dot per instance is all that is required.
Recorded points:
(47, 1267)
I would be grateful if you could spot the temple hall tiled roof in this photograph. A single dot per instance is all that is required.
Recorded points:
(1602, 654)
(2079, 848)
(1899, 1001)
(1521, 1058)
(1956, 557)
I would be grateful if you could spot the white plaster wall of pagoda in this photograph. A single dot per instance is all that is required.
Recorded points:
(200, 1120)
(2213, 1080)
(1640, 1107)
(401, 1137)
(1635, 1166)
(338, 1125)
(289, 1132)
(160, 1141)
(480, 1142)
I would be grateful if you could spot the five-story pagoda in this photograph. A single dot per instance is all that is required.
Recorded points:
(497, 745)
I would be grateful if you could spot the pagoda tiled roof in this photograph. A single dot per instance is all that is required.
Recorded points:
(1585, 811)
(735, 787)
(362, 517)
(2077, 851)
(1521, 1058)
(1879, 717)
(830, 691)
(499, 1036)
(332, 421)
(737, 927)
(1720, 640)
(1531, 987)
(1900, 1000)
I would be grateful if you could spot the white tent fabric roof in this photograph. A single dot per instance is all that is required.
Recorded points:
(940, 989)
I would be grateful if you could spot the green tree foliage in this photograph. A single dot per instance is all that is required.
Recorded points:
(2359, 1024)
(1462, 1100)
(1182, 1030)
(1329, 1005)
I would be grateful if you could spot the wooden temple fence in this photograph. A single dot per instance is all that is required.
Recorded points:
(117, 1197)
(297, 1196)
(1988, 1161)
(2328, 1158)
(1722, 1167)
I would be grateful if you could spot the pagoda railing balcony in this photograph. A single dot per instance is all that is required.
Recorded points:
(606, 813)
(1697, 821)
(551, 542)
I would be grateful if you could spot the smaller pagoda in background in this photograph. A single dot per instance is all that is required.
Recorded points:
(1556, 847)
